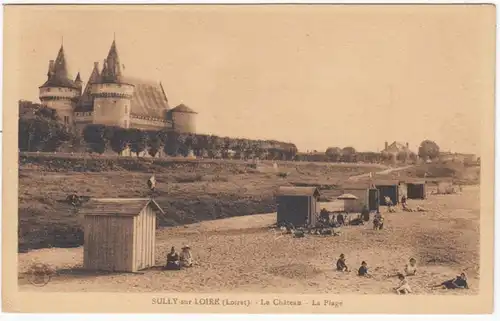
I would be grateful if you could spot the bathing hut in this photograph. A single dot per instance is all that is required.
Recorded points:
(350, 203)
(119, 234)
(298, 205)
(365, 194)
(416, 190)
(388, 188)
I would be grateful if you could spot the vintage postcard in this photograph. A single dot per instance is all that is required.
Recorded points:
(248, 158)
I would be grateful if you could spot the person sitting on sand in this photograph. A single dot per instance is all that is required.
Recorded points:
(341, 265)
(460, 282)
(173, 260)
(403, 287)
(389, 204)
(363, 270)
(186, 257)
(378, 221)
(411, 267)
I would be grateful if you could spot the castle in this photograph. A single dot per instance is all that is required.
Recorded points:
(111, 99)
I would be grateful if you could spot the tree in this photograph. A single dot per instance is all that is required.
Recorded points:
(172, 144)
(118, 139)
(95, 137)
(58, 134)
(349, 154)
(42, 131)
(428, 150)
(156, 140)
(138, 140)
(27, 138)
(333, 154)
(47, 113)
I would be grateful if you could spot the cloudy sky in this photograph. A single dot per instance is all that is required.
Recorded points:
(315, 76)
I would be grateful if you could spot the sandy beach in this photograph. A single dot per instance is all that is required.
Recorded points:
(242, 254)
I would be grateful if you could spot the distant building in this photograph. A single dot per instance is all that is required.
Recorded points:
(396, 147)
(110, 98)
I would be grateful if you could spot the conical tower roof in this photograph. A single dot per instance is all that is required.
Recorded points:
(58, 77)
(112, 72)
(86, 101)
(95, 76)
(183, 109)
(78, 79)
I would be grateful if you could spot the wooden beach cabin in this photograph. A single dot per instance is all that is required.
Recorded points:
(119, 234)
(416, 190)
(366, 196)
(298, 205)
(391, 189)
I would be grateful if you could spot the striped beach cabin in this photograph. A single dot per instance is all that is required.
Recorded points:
(119, 234)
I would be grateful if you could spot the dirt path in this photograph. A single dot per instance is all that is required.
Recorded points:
(384, 172)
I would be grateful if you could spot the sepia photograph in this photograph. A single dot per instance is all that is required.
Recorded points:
(279, 158)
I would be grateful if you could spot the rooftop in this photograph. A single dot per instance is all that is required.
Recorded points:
(297, 191)
(183, 109)
(149, 99)
(118, 206)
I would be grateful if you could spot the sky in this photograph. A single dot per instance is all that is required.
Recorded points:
(317, 76)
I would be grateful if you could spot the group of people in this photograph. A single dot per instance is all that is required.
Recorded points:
(177, 261)
(410, 269)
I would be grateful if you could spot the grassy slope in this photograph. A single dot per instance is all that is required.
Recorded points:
(188, 191)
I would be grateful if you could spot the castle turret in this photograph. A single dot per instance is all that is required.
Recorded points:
(78, 82)
(59, 92)
(112, 94)
(183, 119)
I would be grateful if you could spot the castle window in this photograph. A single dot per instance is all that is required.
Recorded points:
(66, 120)
(126, 109)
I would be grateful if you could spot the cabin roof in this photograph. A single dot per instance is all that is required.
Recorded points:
(118, 206)
(298, 191)
(415, 181)
(386, 182)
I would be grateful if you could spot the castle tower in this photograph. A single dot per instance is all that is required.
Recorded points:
(59, 92)
(183, 119)
(79, 83)
(112, 94)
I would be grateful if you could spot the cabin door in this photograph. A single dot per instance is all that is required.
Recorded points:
(373, 199)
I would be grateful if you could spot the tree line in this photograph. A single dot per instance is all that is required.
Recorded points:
(41, 130)
(100, 138)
